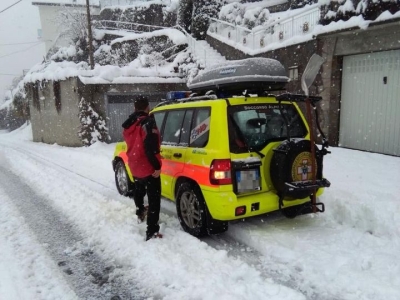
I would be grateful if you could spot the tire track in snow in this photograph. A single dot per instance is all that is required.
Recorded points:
(88, 275)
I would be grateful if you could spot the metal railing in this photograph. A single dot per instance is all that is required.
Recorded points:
(278, 31)
(126, 26)
(104, 3)
(200, 54)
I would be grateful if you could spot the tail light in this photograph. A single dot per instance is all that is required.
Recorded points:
(220, 172)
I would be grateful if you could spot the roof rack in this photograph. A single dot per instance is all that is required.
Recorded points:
(189, 99)
(297, 98)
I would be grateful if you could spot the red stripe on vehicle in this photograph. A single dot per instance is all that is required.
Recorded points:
(124, 157)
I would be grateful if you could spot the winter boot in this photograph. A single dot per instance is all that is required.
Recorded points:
(155, 235)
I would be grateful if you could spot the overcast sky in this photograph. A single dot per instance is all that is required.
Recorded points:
(18, 24)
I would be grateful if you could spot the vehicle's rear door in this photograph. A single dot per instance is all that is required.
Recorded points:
(254, 130)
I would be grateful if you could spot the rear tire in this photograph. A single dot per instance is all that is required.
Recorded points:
(191, 209)
(124, 185)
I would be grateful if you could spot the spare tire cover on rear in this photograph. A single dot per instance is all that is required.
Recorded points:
(291, 162)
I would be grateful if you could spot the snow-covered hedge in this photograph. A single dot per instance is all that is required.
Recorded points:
(245, 15)
(345, 9)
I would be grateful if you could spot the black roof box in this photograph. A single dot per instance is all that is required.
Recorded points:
(251, 74)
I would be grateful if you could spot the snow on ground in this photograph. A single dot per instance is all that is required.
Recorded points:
(26, 271)
(349, 252)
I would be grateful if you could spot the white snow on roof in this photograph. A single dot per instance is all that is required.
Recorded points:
(131, 80)
(133, 73)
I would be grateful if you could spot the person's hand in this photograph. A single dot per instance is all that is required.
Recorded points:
(156, 173)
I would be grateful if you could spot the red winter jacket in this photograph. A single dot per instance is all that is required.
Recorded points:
(143, 139)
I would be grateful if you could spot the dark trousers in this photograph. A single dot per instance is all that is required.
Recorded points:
(151, 186)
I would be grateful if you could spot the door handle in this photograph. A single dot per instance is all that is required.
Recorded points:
(178, 155)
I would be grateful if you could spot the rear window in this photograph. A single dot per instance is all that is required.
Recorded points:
(252, 127)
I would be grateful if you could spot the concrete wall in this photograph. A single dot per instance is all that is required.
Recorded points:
(49, 125)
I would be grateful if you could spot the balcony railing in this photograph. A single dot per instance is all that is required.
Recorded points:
(127, 26)
(278, 31)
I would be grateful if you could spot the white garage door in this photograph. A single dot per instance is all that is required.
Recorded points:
(370, 102)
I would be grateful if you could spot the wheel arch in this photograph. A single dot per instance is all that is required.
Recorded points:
(183, 179)
(212, 226)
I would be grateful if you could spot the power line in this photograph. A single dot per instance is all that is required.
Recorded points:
(21, 43)
(10, 6)
(21, 50)
(5, 74)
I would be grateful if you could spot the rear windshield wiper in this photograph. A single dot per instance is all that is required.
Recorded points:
(243, 138)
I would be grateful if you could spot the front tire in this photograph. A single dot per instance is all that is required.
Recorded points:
(124, 185)
(191, 209)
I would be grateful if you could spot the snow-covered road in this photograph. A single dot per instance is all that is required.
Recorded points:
(351, 251)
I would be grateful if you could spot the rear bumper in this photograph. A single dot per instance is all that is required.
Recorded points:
(222, 205)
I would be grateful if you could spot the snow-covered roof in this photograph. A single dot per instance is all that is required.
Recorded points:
(133, 73)
(131, 80)
(65, 2)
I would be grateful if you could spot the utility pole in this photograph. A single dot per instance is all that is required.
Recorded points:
(90, 36)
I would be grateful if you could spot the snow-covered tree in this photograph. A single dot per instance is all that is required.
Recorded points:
(93, 126)
(75, 31)
(185, 12)
(203, 10)
(243, 15)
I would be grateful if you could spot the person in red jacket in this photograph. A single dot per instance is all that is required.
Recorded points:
(143, 140)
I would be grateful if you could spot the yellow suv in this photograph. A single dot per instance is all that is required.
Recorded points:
(228, 157)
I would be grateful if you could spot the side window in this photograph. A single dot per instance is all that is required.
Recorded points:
(159, 117)
(185, 132)
(201, 128)
(172, 128)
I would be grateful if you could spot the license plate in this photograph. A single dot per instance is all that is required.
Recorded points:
(248, 180)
